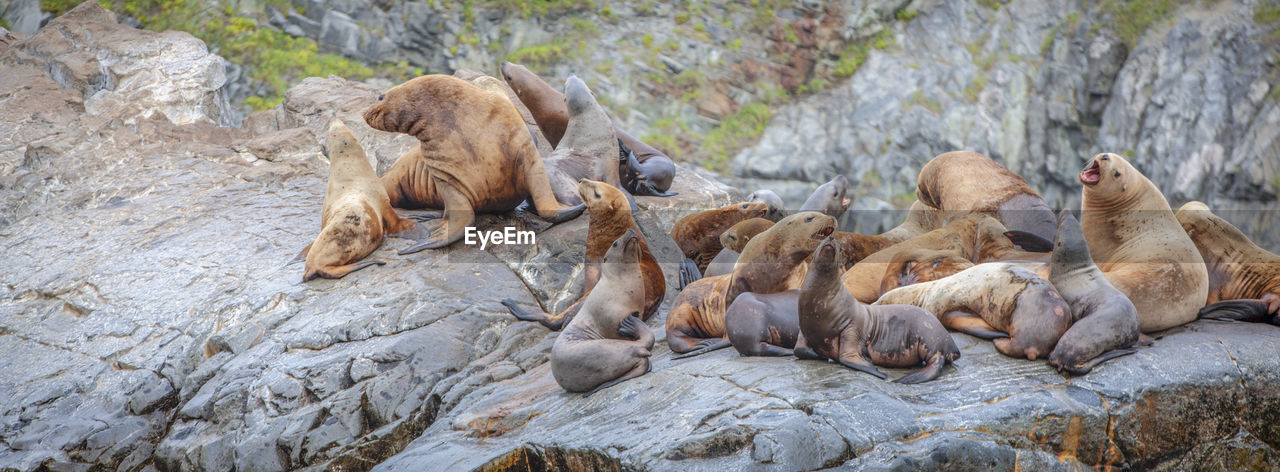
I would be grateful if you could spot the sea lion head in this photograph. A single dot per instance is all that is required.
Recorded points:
(777, 209)
(419, 106)
(802, 232)
(745, 210)
(1107, 174)
(341, 142)
(1039, 318)
(1069, 246)
(829, 198)
(516, 76)
(826, 258)
(602, 198)
(737, 236)
(577, 96)
(623, 252)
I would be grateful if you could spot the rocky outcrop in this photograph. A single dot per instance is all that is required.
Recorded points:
(1042, 86)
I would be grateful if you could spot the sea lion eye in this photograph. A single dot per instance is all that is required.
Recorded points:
(381, 96)
(597, 194)
(806, 220)
(744, 206)
(1117, 173)
(1106, 158)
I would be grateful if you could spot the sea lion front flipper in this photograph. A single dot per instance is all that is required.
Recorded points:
(1030, 242)
(864, 366)
(338, 272)
(551, 322)
(1236, 310)
(689, 273)
(639, 370)
(769, 350)
(803, 351)
(566, 214)
(931, 370)
(302, 255)
(1106, 356)
(629, 328)
(719, 344)
(457, 216)
(970, 324)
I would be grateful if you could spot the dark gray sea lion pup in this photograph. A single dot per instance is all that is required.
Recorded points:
(829, 198)
(645, 170)
(1104, 320)
(607, 342)
(835, 326)
(759, 325)
(777, 209)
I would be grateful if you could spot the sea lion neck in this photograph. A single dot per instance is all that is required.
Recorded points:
(1070, 250)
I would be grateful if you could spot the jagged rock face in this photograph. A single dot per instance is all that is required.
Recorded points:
(1041, 87)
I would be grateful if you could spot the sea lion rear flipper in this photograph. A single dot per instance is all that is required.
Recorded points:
(457, 216)
(1106, 356)
(552, 322)
(717, 345)
(338, 272)
(1236, 310)
(1029, 241)
(639, 370)
(566, 214)
(302, 255)
(770, 350)
(423, 217)
(970, 324)
(863, 366)
(931, 370)
(689, 273)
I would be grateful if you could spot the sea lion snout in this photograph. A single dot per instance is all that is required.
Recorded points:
(577, 96)
(1092, 173)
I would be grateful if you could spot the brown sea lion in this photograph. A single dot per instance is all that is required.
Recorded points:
(1137, 242)
(777, 209)
(772, 262)
(733, 241)
(609, 218)
(607, 343)
(587, 149)
(835, 326)
(698, 235)
(967, 181)
(356, 213)
(645, 170)
(494, 84)
(920, 258)
(989, 300)
(476, 155)
(1244, 279)
(829, 198)
(1103, 320)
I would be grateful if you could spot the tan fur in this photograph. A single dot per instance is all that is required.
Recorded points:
(1237, 268)
(356, 213)
(1138, 244)
(698, 234)
(960, 238)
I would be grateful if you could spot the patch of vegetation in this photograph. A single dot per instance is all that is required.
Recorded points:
(735, 45)
(1132, 18)
(973, 89)
(4, 24)
(682, 18)
(1268, 16)
(992, 4)
(540, 8)
(541, 56)
(927, 103)
(855, 53)
(733, 132)
(905, 15)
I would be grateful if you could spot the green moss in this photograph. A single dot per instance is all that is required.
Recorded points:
(905, 15)
(883, 39)
(682, 18)
(662, 141)
(992, 4)
(791, 33)
(855, 53)
(4, 23)
(1268, 16)
(1132, 18)
(734, 133)
(1047, 42)
(920, 100)
(872, 178)
(735, 45)
(671, 45)
(647, 40)
(540, 56)
(700, 27)
(58, 7)
(973, 89)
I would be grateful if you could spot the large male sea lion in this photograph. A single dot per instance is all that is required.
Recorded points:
(835, 326)
(829, 198)
(989, 300)
(771, 262)
(646, 170)
(356, 213)
(476, 155)
(607, 343)
(609, 218)
(1103, 320)
(587, 149)
(1137, 242)
(1244, 279)
(698, 235)
(962, 181)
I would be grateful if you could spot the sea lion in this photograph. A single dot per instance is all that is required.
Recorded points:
(356, 213)
(646, 171)
(609, 217)
(1103, 320)
(989, 300)
(733, 241)
(1244, 279)
(771, 262)
(698, 235)
(920, 219)
(476, 155)
(587, 148)
(777, 209)
(967, 237)
(835, 326)
(494, 84)
(607, 343)
(764, 324)
(1137, 242)
(968, 181)
(829, 198)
